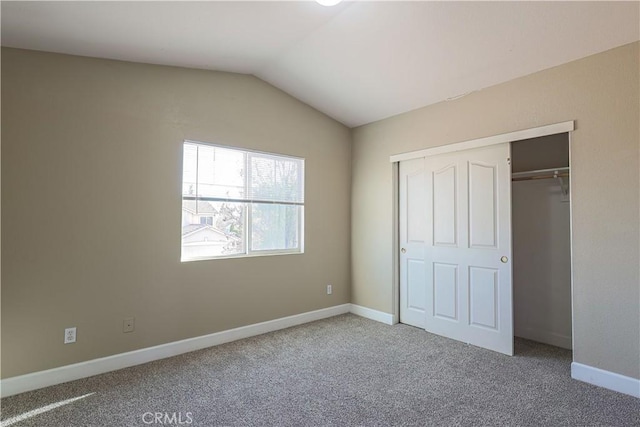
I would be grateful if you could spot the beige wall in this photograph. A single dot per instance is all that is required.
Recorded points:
(601, 93)
(91, 154)
(91, 179)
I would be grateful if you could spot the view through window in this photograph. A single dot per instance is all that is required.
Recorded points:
(238, 202)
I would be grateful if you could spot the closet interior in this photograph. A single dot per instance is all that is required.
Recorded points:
(541, 239)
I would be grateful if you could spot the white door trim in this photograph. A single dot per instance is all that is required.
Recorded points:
(489, 140)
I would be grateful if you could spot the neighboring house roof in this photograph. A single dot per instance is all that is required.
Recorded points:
(203, 208)
(191, 229)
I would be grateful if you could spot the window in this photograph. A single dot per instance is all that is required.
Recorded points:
(240, 203)
(206, 220)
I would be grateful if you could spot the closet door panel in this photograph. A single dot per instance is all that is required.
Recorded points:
(445, 212)
(483, 201)
(445, 289)
(483, 299)
(416, 207)
(412, 238)
(416, 285)
(469, 284)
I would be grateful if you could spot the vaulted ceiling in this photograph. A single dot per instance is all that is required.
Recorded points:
(357, 62)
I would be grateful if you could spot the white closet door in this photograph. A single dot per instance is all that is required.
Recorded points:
(413, 230)
(468, 250)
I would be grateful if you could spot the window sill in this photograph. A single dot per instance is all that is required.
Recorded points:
(251, 255)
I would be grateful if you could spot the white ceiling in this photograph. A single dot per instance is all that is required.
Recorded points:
(358, 62)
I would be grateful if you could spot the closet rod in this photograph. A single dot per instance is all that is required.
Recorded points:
(527, 178)
(542, 173)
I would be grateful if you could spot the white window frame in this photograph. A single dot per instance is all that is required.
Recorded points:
(247, 231)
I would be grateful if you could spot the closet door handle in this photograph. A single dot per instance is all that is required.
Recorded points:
(403, 250)
(504, 259)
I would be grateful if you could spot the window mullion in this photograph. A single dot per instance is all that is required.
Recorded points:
(197, 177)
(248, 205)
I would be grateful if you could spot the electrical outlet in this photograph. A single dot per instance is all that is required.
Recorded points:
(70, 335)
(329, 289)
(129, 324)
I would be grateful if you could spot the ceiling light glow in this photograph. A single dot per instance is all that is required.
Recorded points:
(328, 2)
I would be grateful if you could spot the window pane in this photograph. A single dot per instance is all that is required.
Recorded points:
(276, 178)
(212, 229)
(189, 168)
(221, 172)
(274, 227)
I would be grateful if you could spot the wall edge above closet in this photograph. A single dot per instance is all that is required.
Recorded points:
(536, 132)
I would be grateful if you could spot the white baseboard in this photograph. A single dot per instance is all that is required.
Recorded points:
(543, 336)
(372, 314)
(36, 380)
(606, 379)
